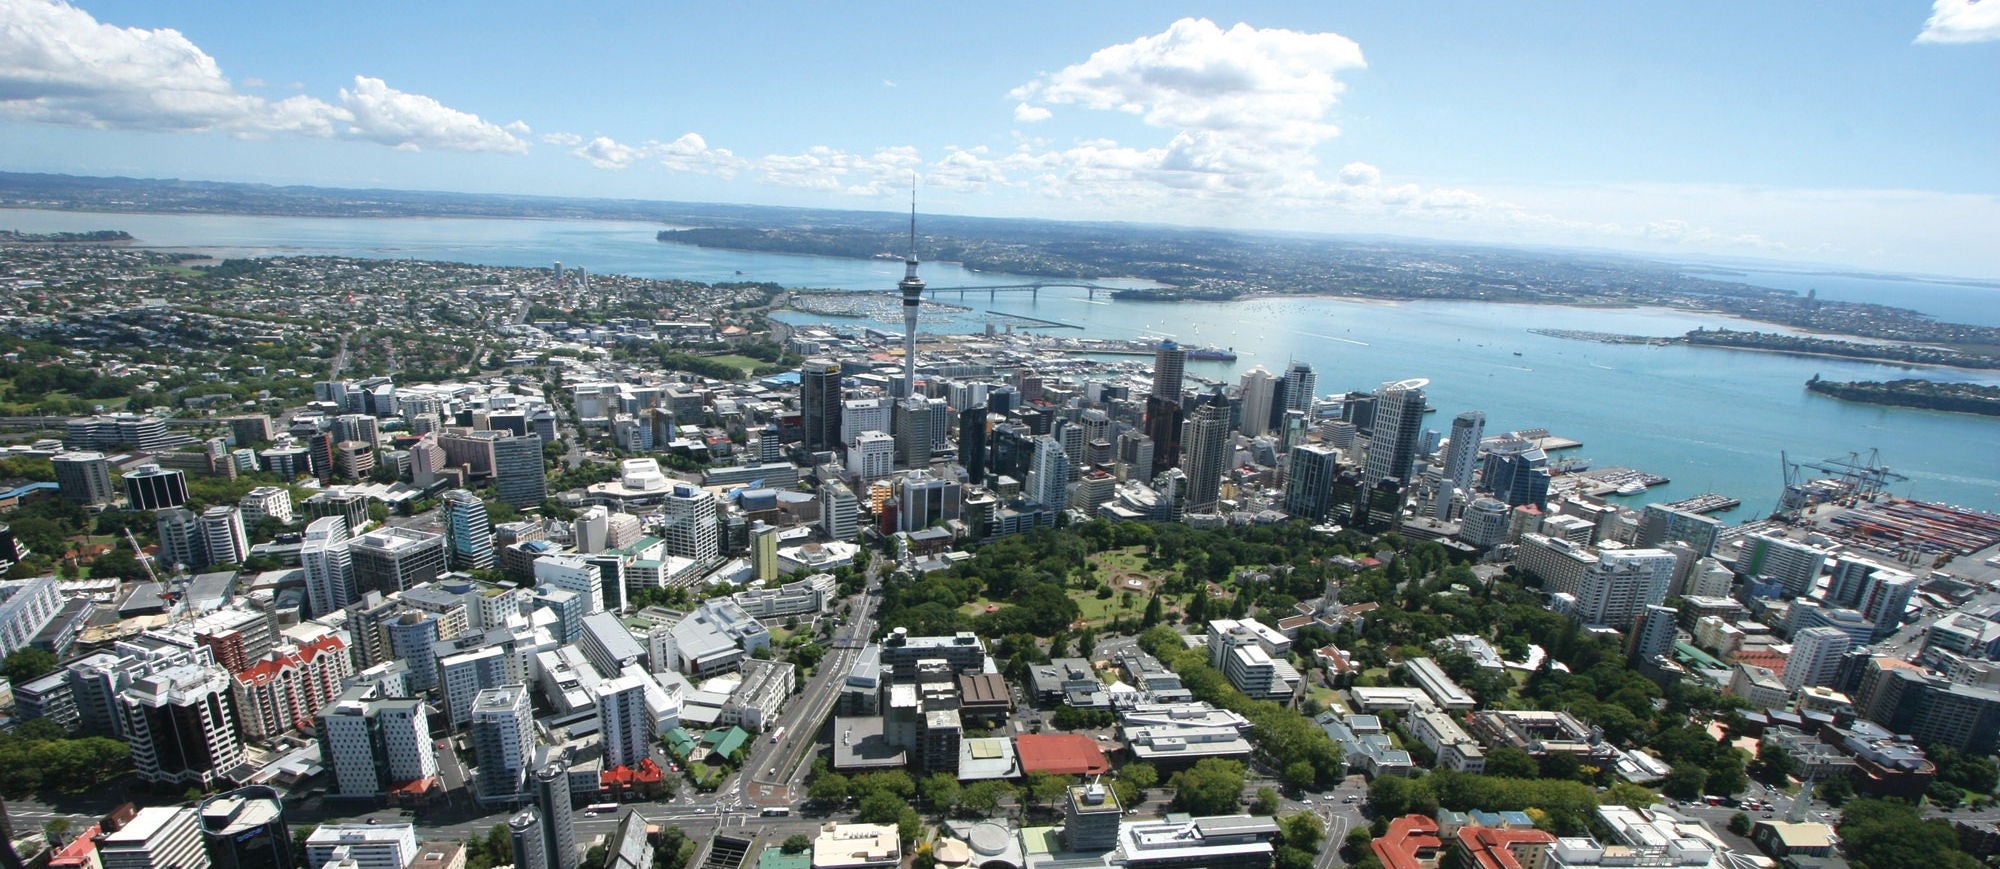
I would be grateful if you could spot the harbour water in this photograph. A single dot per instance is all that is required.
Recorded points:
(1709, 419)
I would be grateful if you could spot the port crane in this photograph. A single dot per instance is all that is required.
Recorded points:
(1851, 478)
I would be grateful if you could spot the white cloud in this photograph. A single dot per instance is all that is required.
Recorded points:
(1358, 173)
(1028, 114)
(606, 153)
(564, 140)
(689, 153)
(836, 171)
(888, 84)
(413, 121)
(1962, 21)
(60, 65)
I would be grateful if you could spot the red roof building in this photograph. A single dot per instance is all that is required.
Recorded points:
(289, 686)
(1495, 848)
(79, 853)
(1060, 754)
(1411, 843)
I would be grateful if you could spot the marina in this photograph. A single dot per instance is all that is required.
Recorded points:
(1617, 481)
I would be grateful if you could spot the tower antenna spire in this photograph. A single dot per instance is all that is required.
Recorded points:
(913, 217)
(912, 289)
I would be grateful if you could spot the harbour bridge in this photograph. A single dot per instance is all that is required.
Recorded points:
(992, 290)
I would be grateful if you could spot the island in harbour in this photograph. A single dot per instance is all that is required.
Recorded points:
(1926, 394)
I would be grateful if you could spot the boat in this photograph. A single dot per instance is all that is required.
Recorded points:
(1633, 488)
(1212, 354)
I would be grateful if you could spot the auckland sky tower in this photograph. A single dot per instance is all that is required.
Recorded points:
(913, 291)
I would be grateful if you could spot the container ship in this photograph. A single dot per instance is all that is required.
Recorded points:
(1211, 354)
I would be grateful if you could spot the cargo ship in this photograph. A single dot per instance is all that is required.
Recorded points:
(1211, 354)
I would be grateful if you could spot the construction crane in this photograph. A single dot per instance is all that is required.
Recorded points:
(1850, 478)
(141, 555)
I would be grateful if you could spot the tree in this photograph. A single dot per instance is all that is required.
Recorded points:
(1211, 787)
(1561, 765)
(1835, 791)
(1739, 824)
(880, 808)
(27, 664)
(1153, 612)
(1510, 762)
(1303, 830)
(982, 797)
(796, 843)
(1046, 788)
(1142, 775)
(1266, 802)
(1685, 782)
(1300, 775)
(830, 788)
(1629, 795)
(1885, 833)
(941, 790)
(1725, 776)
(1773, 765)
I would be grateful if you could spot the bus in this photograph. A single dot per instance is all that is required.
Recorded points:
(777, 813)
(777, 735)
(600, 808)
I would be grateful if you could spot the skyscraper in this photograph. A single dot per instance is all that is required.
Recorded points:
(151, 487)
(329, 569)
(1309, 481)
(223, 535)
(1462, 453)
(1048, 474)
(520, 478)
(1163, 406)
(913, 432)
(820, 404)
(1169, 370)
(912, 288)
(1208, 445)
(503, 742)
(1816, 654)
(1399, 422)
(972, 443)
(1300, 383)
(468, 537)
(1258, 387)
(552, 802)
(83, 477)
(245, 829)
(690, 529)
(530, 844)
(177, 721)
(626, 727)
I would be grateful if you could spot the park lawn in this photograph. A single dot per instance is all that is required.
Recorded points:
(1327, 698)
(1098, 612)
(737, 360)
(180, 271)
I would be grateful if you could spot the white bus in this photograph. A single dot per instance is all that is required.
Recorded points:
(777, 735)
(600, 808)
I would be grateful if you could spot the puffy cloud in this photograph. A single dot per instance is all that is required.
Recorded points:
(606, 153)
(413, 121)
(563, 140)
(60, 65)
(1962, 21)
(689, 153)
(837, 171)
(1028, 114)
(1359, 173)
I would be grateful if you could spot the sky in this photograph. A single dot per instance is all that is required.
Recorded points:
(1854, 133)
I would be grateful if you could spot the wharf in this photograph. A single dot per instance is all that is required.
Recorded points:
(1547, 442)
(1053, 324)
(1706, 503)
(1607, 481)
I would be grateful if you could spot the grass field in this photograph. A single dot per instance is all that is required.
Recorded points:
(745, 363)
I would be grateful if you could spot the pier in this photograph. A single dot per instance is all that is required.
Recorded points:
(1053, 324)
(1706, 503)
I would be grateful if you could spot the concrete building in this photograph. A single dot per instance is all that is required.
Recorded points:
(368, 846)
(1815, 659)
(1795, 567)
(623, 721)
(375, 744)
(1449, 743)
(1252, 657)
(1621, 584)
(84, 477)
(151, 487)
(503, 740)
(390, 560)
(177, 721)
(223, 536)
(857, 846)
(245, 829)
(156, 838)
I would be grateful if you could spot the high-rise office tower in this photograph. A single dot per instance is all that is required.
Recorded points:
(530, 848)
(152, 487)
(1816, 654)
(503, 741)
(468, 537)
(1164, 415)
(1653, 634)
(1209, 453)
(328, 568)
(912, 288)
(1309, 481)
(1300, 383)
(177, 720)
(972, 443)
(1794, 566)
(1258, 387)
(1048, 474)
(1659, 523)
(913, 432)
(1462, 452)
(1135, 455)
(1399, 422)
(820, 404)
(223, 536)
(84, 477)
(690, 529)
(520, 477)
(626, 727)
(1517, 471)
(182, 546)
(245, 829)
(1169, 369)
(552, 802)
(159, 837)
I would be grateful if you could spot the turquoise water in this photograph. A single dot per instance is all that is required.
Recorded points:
(1710, 419)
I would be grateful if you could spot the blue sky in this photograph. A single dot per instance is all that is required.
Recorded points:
(1852, 133)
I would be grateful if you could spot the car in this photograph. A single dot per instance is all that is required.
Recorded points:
(1306, 801)
(1350, 799)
